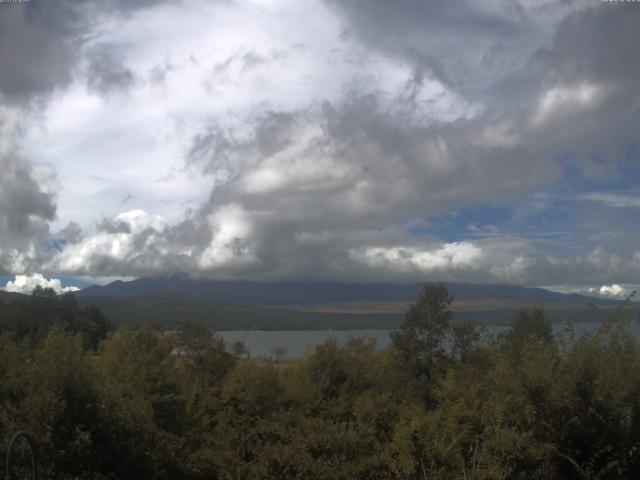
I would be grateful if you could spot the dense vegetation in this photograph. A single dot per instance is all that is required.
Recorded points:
(440, 403)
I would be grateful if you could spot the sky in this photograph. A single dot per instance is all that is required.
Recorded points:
(484, 141)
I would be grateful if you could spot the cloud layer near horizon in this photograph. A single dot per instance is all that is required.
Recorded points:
(26, 284)
(324, 140)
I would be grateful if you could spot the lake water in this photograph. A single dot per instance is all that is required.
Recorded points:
(300, 342)
(297, 342)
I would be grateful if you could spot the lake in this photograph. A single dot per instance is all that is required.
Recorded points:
(297, 342)
(300, 342)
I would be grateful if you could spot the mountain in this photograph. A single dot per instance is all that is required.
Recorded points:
(7, 296)
(310, 293)
(171, 310)
(245, 305)
(237, 305)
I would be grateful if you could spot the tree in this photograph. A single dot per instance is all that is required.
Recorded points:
(206, 353)
(240, 350)
(466, 341)
(140, 389)
(279, 352)
(34, 316)
(528, 325)
(421, 335)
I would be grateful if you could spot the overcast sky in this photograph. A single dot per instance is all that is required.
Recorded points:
(485, 141)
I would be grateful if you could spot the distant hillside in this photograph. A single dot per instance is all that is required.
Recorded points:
(307, 293)
(304, 306)
(170, 309)
(7, 296)
(243, 305)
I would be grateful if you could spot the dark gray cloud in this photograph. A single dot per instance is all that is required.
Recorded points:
(108, 225)
(40, 41)
(499, 53)
(245, 61)
(273, 132)
(22, 198)
(467, 43)
(359, 162)
(594, 48)
(36, 54)
(72, 233)
(158, 74)
(227, 153)
(26, 208)
(107, 74)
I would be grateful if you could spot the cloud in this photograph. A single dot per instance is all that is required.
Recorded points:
(612, 199)
(27, 283)
(562, 102)
(36, 54)
(40, 46)
(132, 238)
(135, 243)
(613, 290)
(300, 141)
(233, 242)
(106, 74)
(72, 233)
(448, 257)
(468, 44)
(39, 43)
(27, 203)
(620, 291)
(329, 188)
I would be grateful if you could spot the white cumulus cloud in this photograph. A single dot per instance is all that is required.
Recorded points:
(27, 283)
(613, 290)
(448, 256)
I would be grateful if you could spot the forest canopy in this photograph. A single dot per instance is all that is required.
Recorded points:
(442, 401)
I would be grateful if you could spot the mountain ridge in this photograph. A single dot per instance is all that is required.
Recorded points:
(247, 305)
(308, 293)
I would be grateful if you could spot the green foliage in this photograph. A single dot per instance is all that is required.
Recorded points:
(33, 317)
(419, 340)
(528, 325)
(145, 403)
(467, 340)
(421, 335)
